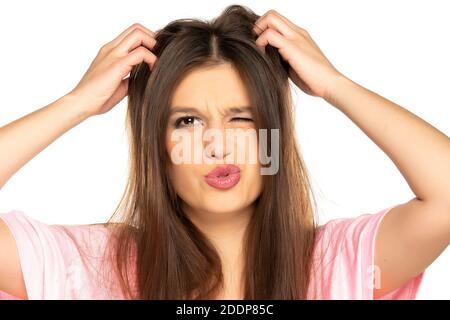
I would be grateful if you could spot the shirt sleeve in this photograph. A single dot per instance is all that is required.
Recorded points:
(356, 258)
(44, 254)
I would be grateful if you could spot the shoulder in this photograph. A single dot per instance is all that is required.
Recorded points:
(343, 259)
(350, 230)
(35, 233)
(51, 255)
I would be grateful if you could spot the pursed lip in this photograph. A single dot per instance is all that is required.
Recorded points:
(223, 170)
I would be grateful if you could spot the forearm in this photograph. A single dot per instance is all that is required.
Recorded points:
(420, 151)
(24, 138)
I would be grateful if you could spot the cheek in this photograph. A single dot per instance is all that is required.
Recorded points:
(183, 181)
(169, 143)
(246, 148)
(253, 180)
(183, 175)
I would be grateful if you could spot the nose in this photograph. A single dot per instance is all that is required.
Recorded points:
(215, 145)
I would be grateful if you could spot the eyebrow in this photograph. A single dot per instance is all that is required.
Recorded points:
(231, 110)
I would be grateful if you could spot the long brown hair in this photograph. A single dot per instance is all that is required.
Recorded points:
(173, 258)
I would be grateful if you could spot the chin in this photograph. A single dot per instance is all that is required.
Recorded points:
(223, 204)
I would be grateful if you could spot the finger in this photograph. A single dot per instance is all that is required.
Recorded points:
(272, 37)
(289, 22)
(273, 20)
(135, 39)
(144, 28)
(113, 43)
(138, 55)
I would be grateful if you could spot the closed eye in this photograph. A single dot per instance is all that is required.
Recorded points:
(242, 119)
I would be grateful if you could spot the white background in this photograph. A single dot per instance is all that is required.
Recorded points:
(397, 49)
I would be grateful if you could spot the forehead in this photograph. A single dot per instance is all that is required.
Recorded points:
(218, 87)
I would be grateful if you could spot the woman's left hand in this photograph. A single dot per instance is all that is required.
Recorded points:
(309, 69)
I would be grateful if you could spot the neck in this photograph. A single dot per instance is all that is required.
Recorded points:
(226, 231)
(221, 228)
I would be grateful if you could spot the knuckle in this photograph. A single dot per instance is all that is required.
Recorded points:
(270, 32)
(115, 63)
(271, 16)
(141, 51)
(303, 31)
(136, 25)
(137, 32)
(105, 47)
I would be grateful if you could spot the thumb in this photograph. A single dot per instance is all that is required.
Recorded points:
(118, 95)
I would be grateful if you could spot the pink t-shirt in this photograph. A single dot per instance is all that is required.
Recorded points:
(53, 267)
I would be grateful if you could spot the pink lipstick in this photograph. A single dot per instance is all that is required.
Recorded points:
(224, 176)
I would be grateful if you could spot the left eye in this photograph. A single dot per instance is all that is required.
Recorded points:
(242, 119)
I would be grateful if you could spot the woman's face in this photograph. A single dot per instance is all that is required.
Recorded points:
(207, 105)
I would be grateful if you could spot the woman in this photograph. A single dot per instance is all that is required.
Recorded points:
(220, 228)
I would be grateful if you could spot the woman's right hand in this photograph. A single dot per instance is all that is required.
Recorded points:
(103, 85)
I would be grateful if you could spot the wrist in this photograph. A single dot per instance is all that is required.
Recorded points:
(77, 104)
(334, 87)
